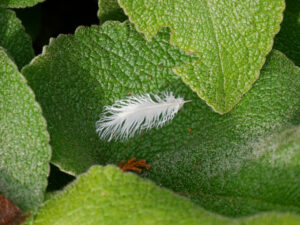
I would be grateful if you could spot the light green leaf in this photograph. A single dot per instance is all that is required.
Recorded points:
(212, 159)
(14, 38)
(19, 3)
(288, 39)
(108, 196)
(110, 10)
(24, 148)
(232, 39)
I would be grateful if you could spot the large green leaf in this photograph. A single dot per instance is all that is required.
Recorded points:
(110, 10)
(211, 158)
(14, 38)
(24, 148)
(231, 37)
(19, 3)
(77, 75)
(108, 196)
(288, 39)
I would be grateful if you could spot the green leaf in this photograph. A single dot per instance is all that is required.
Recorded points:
(14, 38)
(288, 39)
(110, 10)
(108, 196)
(19, 3)
(101, 64)
(208, 157)
(24, 148)
(232, 39)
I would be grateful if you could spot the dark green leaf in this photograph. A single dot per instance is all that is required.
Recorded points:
(24, 148)
(14, 39)
(19, 3)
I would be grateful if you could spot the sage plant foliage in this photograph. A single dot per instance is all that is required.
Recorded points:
(229, 156)
(232, 39)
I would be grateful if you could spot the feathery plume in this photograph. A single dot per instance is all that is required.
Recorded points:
(136, 113)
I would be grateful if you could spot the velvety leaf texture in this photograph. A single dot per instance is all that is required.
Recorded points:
(77, 75)
(108, 196)
(224, 163)
(24, 148)
(19, 3)
(232, 39)
(14, 38)
(288, 39)
(110, 10)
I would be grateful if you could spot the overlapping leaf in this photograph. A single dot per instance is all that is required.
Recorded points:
(14, 39)
(231, 37)
(108, 196)
(230, 164)
(24, 148)
(19, 3)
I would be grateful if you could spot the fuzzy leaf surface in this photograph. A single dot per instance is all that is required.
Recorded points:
(108, 196)
(19, 3)
(110, 10)
(101, 64)
(24, 148)
(232, 39)
(212, 159)
(288, 39)
(14, 38)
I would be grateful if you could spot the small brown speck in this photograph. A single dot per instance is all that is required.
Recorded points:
(190, 130)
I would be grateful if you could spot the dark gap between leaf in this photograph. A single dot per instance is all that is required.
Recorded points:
(54, 17)
(58, 179)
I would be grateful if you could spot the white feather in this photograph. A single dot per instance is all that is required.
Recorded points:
(136, 113)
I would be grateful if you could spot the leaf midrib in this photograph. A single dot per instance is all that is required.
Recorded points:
(219, 53)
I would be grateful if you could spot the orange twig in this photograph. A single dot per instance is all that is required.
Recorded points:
(133, 165)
